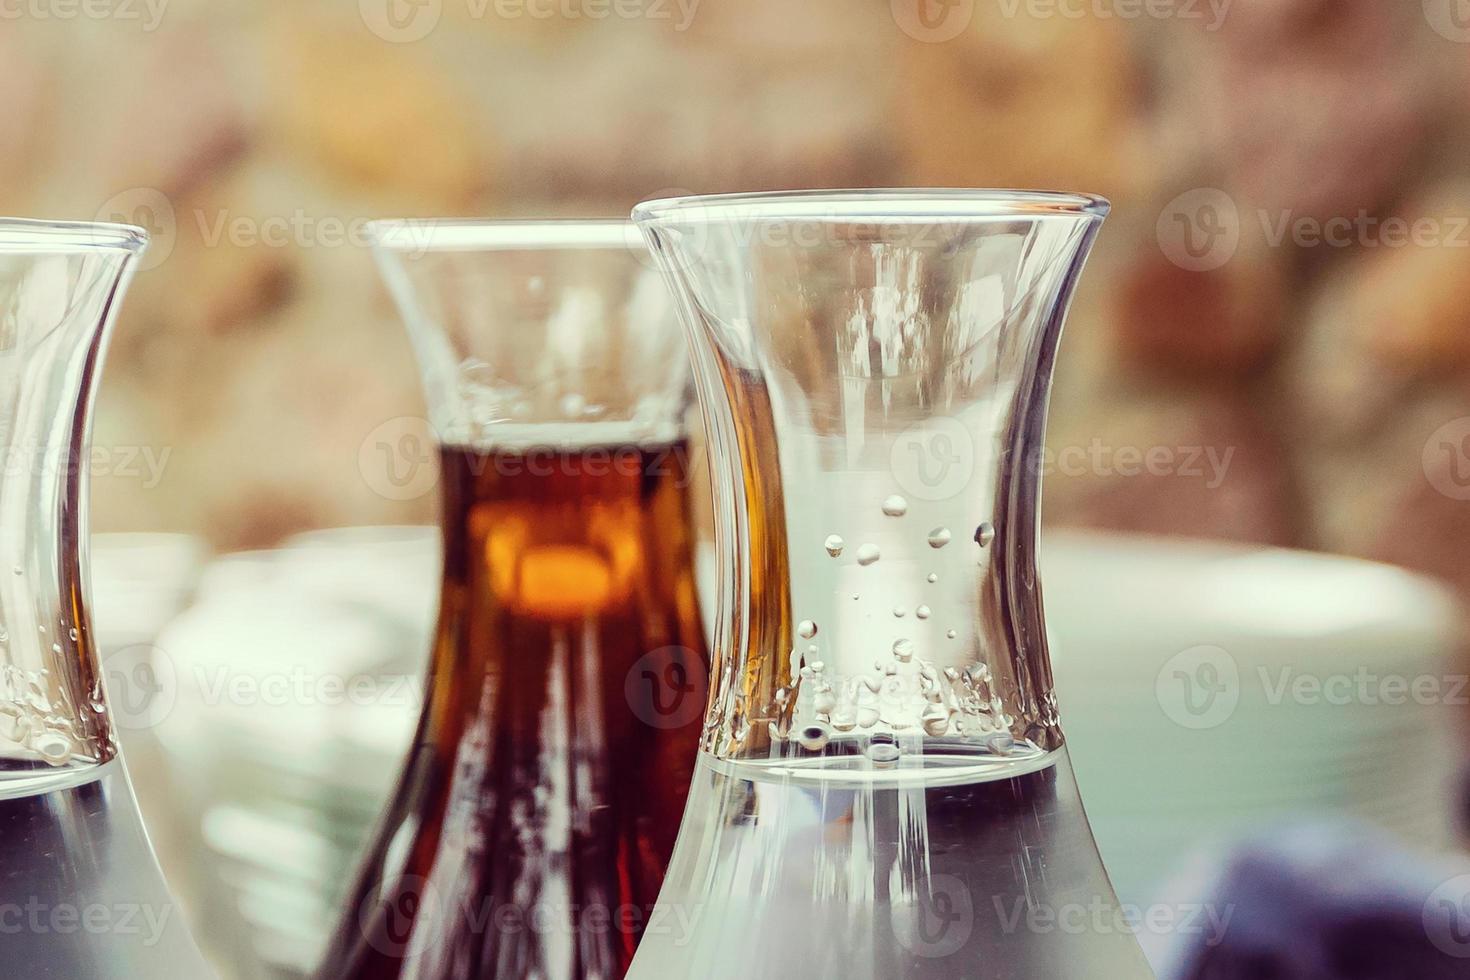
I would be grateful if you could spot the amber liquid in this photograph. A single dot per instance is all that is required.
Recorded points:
(530, 829)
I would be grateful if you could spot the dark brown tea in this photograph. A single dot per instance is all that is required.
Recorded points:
(530, 829)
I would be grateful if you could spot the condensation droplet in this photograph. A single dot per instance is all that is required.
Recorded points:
(903, 650)
(868, 554)
(933, 577)
(984, 534)
(898, 612)
(923, 612)
(939, 537)
(806, 629)
(73, 634)
(856, 597)
(951, 634)
(895, 506)
(834, 545)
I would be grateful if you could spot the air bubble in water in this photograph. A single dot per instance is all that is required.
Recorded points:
(18, 570)
(883, 753)
(806, 629)
(923, 612)
(834, 545)
(984, 534)
(898, 612)
(55, 749)
(73, 634)
(951, 634)
(903, 650)
(573, 404)
(933, 577)
(895, 506)
(1001, 743)
(935, 719)
(939, 537)
(814, 737)
(868, 554)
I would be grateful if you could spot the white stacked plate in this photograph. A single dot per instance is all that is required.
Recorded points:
(298, 681)
(1210, 691)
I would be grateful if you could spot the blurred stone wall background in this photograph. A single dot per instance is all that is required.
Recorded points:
(1272, 344)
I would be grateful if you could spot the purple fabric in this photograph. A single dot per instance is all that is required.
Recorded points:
(1321, 902)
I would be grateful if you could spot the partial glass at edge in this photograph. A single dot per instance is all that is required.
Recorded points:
(59, 286)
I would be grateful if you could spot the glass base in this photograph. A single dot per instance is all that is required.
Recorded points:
(81, 894)
(782, 873)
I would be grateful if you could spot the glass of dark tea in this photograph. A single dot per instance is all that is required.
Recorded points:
(529, 831)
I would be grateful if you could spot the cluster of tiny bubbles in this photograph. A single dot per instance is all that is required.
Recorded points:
(834, 545)
(806, 629)
(868, 554)
(895, 506)
(923, 612)
(984, 534)
(939, 537)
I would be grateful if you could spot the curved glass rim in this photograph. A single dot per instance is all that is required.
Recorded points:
(496, 234)
(36, 235)
(885, 204)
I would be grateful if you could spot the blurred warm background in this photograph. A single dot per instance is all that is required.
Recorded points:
(1271, 345)
(257, 352)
